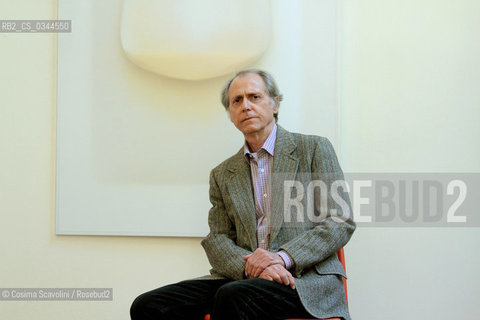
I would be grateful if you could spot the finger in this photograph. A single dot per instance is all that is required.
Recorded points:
(248, 273)
(286, 277)
(257, 270)
(247, 269)
(247, 256)
(251, 263)
(253, 267)
(276, 277)
(266, 277)
(285, 280)
(292, 281)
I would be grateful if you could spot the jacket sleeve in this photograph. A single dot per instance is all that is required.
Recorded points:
(225, 257)
(332, 232)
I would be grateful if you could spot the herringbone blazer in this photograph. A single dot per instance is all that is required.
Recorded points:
(311, 241)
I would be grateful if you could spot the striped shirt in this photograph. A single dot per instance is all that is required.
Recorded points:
(261, 167)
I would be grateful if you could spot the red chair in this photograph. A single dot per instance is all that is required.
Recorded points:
(341, 257)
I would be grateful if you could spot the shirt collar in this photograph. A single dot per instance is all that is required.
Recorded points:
(268, 145)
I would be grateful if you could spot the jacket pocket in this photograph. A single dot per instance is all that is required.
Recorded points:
(330, 266)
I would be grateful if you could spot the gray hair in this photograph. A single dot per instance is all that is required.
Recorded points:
(270, 85)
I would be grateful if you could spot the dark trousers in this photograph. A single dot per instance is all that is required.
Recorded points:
(223, 299)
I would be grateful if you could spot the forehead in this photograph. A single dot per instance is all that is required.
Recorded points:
(250, 82)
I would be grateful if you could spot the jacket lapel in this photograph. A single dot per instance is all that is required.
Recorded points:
(285, 166)
(239, 183)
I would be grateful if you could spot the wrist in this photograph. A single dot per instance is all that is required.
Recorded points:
(287, 261)
(280, 260)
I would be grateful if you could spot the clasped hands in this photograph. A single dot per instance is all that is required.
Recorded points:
(269, 266)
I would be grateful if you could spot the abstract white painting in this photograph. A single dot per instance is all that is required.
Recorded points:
(136, 140)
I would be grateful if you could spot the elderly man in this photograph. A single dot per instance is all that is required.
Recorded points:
(271, 256)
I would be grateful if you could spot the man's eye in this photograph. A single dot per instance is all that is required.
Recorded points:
(256, 97)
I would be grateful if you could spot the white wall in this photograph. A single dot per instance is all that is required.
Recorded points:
(30, 253)
(410, 101)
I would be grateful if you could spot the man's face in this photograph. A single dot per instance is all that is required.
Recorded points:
(250, 105)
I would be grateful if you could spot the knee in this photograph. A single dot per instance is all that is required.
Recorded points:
(226, 302)
(233, 291)
(232, 299)
(138, 310)
(225, 292)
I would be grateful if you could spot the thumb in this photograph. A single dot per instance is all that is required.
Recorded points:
(247, 256)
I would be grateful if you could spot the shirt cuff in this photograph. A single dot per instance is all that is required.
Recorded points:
(286, 258)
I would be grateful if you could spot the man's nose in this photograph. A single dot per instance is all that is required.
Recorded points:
(246, 104)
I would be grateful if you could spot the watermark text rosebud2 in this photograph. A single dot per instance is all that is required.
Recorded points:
(313, 215)
(385, 199)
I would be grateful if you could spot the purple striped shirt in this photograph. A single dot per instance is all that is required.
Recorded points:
(261, 166)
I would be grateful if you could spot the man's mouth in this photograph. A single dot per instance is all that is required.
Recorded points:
(249, 118)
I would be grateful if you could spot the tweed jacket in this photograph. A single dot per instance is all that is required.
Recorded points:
(310, 241)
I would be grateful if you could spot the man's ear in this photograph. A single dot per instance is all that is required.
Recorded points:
(276, 103)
